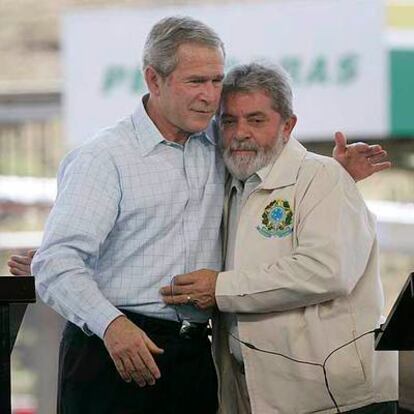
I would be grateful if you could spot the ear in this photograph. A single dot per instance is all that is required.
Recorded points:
(288, 127)
(153, 80)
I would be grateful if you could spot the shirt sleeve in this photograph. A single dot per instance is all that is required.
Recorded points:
(335, 236)
(83, 216)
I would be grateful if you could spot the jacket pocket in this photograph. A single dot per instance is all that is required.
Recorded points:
(344, 367)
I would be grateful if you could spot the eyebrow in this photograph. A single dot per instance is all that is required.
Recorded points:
(215, 77)
(257, 113)
(249, 115)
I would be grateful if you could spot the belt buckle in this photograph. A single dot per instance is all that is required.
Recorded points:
(186, 328)
(190, 330)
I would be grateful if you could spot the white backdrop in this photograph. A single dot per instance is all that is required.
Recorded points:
(334, 50)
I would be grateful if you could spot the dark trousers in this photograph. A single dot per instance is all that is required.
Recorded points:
(90, 384)
(379, 408)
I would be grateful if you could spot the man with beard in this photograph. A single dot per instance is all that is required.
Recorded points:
(301, 274)
(139, 203)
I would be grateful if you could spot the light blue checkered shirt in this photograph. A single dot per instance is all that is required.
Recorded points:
(132, 211)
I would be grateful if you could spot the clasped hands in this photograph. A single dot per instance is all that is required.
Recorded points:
(196, 288)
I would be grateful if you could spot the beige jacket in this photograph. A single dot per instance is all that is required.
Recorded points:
(303, 288)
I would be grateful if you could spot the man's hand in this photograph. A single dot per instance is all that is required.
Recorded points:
(19, 265)
(131, 350)
(196, 287)
(360, 160)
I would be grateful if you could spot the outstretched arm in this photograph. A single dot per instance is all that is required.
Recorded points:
(359, 159)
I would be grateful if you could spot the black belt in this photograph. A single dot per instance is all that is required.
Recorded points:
(184, 329)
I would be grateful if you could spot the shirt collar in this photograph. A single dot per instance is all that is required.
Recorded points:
(148, 134)
(212, 132)
(237, 184)
(252, 181)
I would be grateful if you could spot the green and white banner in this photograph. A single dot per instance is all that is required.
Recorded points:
(335, 52)
(401, 104)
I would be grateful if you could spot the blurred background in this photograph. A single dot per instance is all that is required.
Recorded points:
(70, 67)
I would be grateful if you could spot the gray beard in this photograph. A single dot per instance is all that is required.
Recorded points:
(242, 167)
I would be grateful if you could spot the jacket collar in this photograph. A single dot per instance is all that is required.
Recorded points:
(284, 170)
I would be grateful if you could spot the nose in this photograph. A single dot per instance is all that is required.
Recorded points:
(211, 92)
(241, 131)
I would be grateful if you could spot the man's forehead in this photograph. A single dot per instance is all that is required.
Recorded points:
(190, 44)
(200, 61)
(251, 101)
(248, 94)
(193, 50)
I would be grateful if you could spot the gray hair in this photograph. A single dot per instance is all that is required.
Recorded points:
(160, 50)
(271, 79)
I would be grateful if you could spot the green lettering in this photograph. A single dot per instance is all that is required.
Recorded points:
(318, 72)
(348, 69)
(137, 81)
(114, 76)
(293, 66)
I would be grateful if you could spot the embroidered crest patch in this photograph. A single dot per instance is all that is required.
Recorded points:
(277, 219)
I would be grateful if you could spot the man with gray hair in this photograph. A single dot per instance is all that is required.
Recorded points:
(301, 295)
(139, 203)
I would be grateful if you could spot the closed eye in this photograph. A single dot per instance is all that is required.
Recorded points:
(196, 81)
(227, 121)
(257, 121)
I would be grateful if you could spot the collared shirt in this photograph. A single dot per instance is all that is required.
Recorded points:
(239, 192)
(132, 211)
